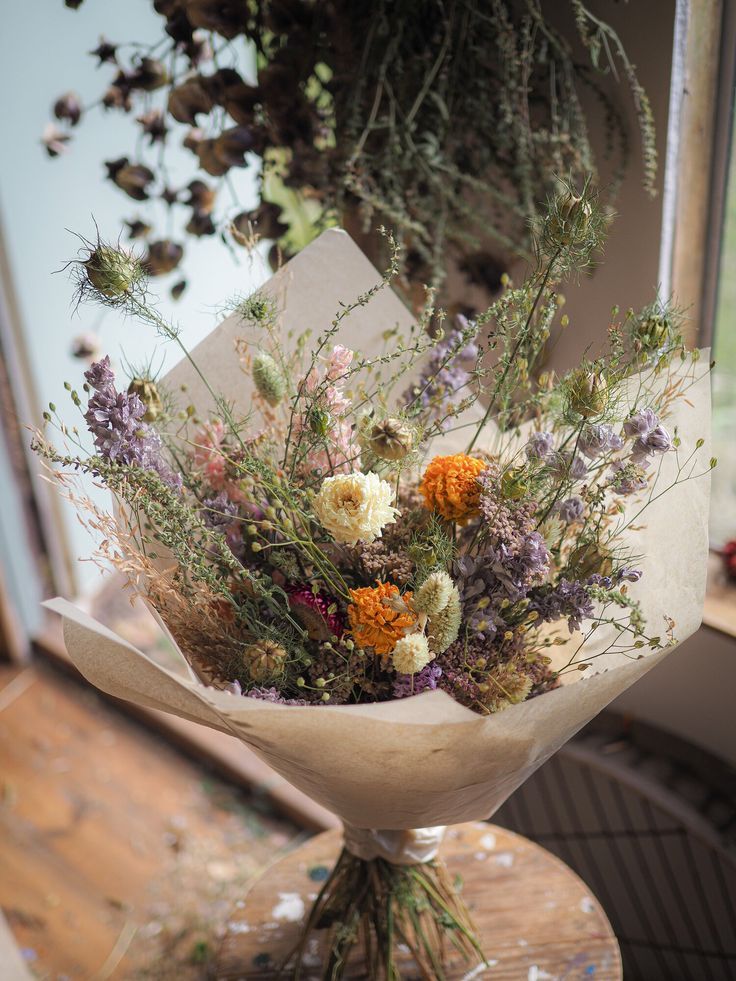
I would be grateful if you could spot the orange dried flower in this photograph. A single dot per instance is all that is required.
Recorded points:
(375, 618)
(450, 486)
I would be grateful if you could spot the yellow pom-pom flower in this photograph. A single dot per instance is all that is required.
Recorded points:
(450, 486)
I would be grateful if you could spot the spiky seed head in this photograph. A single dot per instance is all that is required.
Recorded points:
(588, 393)
(112, 272)
(264, 660)
(391, 439)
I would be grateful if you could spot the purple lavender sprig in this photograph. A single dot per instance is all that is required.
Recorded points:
(115, 420)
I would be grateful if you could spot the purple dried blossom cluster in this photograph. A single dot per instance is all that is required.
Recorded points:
(571, 509)
(218, 511)
(448, 369)
(272, 695)
(540, 446)
(597, 439)
(414, 684)
(115, 419)
(566, 599)
(650, 436)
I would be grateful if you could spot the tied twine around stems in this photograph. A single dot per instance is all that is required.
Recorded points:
(388, 891)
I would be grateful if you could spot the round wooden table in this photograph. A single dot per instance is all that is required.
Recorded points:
(537, 920)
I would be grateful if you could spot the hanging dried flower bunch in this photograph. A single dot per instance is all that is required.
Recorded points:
(449, 120)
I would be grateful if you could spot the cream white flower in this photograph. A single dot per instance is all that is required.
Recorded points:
(411, 654)
(355, 507)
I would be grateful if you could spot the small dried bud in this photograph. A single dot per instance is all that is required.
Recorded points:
(86, 346)
(112, 272)
(69, 107)
(588, 393)
(264, 660)
(150, 75)
(133, 179)
(390, 439)
(149, 395)
(231, 146)
(55, 140)
(268, 379)
(153, 125)
(105, 51)
(163, 256)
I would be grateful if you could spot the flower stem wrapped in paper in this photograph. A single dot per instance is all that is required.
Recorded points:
(402, 562)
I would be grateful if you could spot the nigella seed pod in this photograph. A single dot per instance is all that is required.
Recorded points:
(653, 332)
(268, 379)
(588, 393)
(568, 222)
(264, 660)
(112, 272)
(390, 439)
(149, 395)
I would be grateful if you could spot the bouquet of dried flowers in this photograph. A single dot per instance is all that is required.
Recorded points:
(430, 518)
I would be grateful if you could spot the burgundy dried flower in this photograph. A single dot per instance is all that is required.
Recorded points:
(225, 17)
(317, 613)
(118, 94)
(728, 556)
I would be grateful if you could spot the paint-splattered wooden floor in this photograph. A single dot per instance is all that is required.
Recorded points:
(119, 857)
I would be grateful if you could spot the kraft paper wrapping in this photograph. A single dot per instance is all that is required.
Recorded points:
(423, 761)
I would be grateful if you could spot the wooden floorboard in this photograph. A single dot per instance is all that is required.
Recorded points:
(119, 857)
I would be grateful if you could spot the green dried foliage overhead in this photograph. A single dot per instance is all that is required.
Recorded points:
(449, 120)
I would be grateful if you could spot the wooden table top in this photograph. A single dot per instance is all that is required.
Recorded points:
(537, 920)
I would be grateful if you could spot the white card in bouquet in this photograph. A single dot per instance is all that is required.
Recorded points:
(309, 291)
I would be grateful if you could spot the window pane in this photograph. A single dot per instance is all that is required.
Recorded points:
(723, 501)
